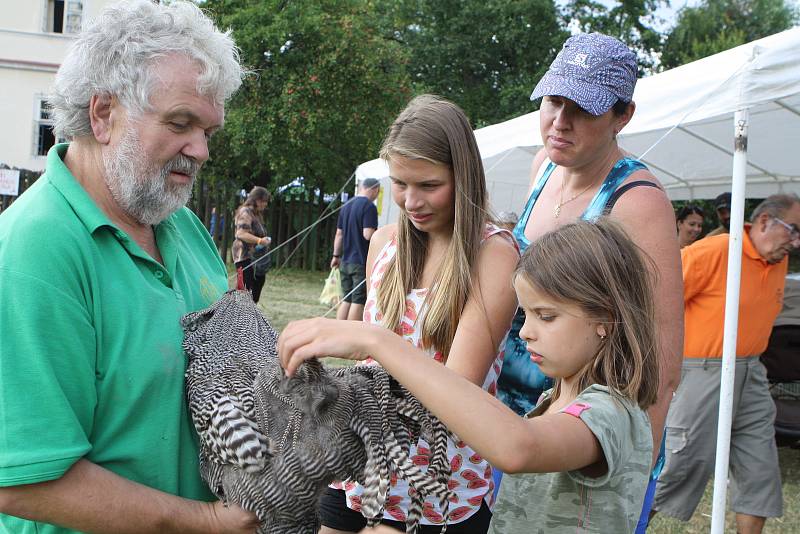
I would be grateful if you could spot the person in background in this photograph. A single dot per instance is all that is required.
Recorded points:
(251, 238)
(212, 223)
(99, 260)
(358, 220)
(693, 415)
(216, 225)
(690, 223)
(722, 204)
(582, 173)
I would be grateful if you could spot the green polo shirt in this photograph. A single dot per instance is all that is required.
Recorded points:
(91, 364)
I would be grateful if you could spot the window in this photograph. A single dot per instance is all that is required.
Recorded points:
(64, 16)
(44, 135)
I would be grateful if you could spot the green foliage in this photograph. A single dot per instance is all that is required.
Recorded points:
(325, 86)
(485, 55)
(328, 76)
(631, 21)
(717, 25)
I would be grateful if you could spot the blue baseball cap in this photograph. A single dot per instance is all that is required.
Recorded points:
(593, 70)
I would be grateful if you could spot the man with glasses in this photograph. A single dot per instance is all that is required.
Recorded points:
(692, 419)
(793, 231)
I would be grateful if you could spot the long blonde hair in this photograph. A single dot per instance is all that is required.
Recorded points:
(437, 131)
(596, 267)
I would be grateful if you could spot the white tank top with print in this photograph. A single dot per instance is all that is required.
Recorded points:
(471, 475)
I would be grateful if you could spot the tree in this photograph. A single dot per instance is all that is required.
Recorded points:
(717, 25)
(631, 21)
(325, 86)
(484, 55)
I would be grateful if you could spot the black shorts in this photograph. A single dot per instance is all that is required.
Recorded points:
(353, 280)
(334, 513)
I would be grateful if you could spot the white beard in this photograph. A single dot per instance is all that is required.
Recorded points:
(139, 187)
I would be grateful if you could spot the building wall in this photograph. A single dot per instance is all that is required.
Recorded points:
(19, 107)
(24, 16)
(18, 48)
(29, 59)
(29, 15)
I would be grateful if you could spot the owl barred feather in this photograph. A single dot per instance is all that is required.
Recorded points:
(272, 444)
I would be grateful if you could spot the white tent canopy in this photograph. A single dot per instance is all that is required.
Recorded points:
(681, 129)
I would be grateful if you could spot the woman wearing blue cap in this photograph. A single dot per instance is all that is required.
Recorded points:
(582, 173)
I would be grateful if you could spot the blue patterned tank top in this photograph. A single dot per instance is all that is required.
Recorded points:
(521, 381)
(597, 207)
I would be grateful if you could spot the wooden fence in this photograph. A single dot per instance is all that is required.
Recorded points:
(287, 223)
(285, 217)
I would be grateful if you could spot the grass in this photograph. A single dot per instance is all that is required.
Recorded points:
(290, 294)
(789, 459)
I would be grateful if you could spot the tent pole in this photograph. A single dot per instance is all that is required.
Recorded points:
(731, 323)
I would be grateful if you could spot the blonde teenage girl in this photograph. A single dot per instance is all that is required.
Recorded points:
(438, 285)
(589, 323)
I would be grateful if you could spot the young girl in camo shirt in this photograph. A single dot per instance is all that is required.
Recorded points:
(583, 454)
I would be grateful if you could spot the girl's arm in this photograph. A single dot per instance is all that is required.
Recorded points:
(487, 313)
(552, 442)
(548, 443)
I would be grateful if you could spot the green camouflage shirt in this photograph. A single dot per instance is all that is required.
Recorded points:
(572, 502)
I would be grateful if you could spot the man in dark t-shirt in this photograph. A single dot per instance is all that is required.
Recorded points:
(723, 205)
(358, 220)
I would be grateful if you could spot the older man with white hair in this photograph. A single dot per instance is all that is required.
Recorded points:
(98, 262)
(755, 477)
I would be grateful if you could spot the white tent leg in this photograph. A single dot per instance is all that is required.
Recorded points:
(731, 323)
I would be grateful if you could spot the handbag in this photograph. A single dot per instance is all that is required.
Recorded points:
(262, 260)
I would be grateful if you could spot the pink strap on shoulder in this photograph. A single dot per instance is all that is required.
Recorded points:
(576, 409)
(492, 229)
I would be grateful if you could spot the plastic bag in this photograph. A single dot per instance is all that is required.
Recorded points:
(332, 291)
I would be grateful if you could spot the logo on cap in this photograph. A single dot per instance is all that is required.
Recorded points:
(579, 60)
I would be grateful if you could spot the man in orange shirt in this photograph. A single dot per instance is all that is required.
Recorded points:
(692, 419)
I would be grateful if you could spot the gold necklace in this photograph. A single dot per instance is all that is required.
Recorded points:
(561, 201)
